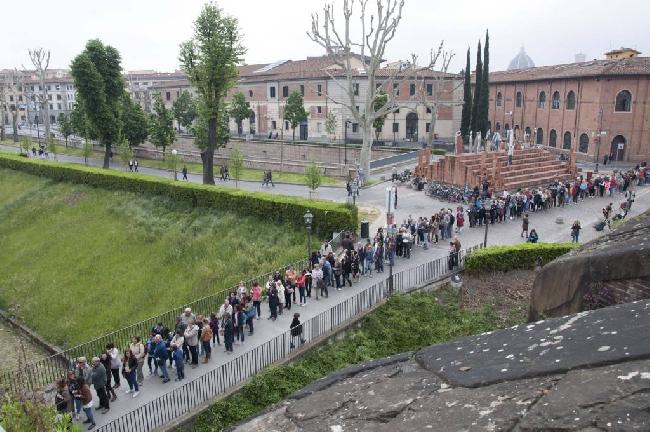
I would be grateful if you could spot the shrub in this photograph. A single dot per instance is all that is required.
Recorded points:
(328, 217)
(438, 151)
(521, 256)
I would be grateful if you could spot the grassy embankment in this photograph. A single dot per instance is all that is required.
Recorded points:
(78, 261)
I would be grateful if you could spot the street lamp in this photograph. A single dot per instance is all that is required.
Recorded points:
(487, 203)
(309, 218)
(174, 154)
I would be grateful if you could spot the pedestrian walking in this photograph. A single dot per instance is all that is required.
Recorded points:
(136, 164)
(524, 226)
(131, 165)
(184, 171)
(98, 378)
(575, 231)
(296, 331)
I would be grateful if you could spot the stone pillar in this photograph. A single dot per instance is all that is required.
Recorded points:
(460, 146)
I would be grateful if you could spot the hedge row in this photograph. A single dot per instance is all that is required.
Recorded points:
(521, 256)
(328, 216)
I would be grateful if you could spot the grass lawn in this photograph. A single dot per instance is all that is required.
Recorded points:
(404, 323)
(248, 174)
(78, 261)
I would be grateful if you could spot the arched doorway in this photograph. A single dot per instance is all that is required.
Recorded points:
(617, 150)
(552, 138)
(583, 146)
(251, 121)
(412, 126)
(567, 141)
(540, 136)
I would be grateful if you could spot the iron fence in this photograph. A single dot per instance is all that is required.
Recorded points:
(182, 400)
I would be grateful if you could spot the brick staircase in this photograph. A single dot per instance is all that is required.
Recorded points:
(530, 167)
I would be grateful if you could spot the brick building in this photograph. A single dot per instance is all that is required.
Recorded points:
(598, 108)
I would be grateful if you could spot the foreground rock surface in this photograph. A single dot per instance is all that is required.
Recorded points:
(587, 372)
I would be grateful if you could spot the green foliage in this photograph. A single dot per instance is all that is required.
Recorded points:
(475, 122)
(97, 75)
(328, 216)
(32, 415)
(404, 323)
(134, 122)
(294, 111)
(210, 61)
(173, 160)
(239, 109)
(51, 146)
(466, 118)
(65, 127)
(330, 123)
(79, 123)
(135, 255)
(236, 164)
(482, 123)
(87, 150)
(184, 109)
(200, 131)
(125, 154)
(161, 125)
(380, 101)
(438, 151)
(520, 256)
(313, 176)
(25, 145)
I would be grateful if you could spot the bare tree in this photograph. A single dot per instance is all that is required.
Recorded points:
(430, 84)
(12, 86)
(41, 60)
(3, 107)
(377, 31)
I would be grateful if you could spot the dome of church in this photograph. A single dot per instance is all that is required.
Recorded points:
(521, 61)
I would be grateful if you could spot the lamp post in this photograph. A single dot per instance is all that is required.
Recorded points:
(487, 203)
(309, 218)
(174, 160)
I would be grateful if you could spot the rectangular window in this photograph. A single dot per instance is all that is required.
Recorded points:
(250, 93)
(20, 98)
(355, 89)
(49, 97)
(319, 109)
(395, 127)
(51, 107)
(11, 98)
(168, 96)
(286, 125)
(302, 90)
(396, 89)
(58, 87)
(355, 127)
(319, 89)
(274, 125)
(319, 127)
(272, 91)
(285, 91)
(412, 90)
(178, 93)
(59, 106)
(428, 127)
(58, 97)
(357, 108)
(49, 87)
(429, 89)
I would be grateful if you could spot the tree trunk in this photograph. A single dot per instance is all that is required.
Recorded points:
(432, 125)
(14, 123)
(366, 148)
(293, 135)
(208, 155)
(107, 156)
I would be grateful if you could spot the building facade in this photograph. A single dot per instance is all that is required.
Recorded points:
(598, 108)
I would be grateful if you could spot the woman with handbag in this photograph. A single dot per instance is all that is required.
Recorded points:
(129, 369)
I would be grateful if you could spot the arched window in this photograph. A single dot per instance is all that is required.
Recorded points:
(567, 141)
(506, 127)
(527, 132)
(519, 99)
(540, 136)
(552, 138)
(498, 127)
(556, 100)
(499, 99)
(542, 100)
(571, 100)
(583, 146)
(623, 101)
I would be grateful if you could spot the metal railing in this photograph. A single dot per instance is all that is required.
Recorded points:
(183, 400)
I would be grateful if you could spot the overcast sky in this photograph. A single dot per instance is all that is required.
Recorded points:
(147, 32)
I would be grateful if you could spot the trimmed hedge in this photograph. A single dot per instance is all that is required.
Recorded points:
(439, 151)
(521, 256)
(328, 216)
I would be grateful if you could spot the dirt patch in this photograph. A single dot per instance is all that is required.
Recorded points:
(368, 213)
(73, 198)
(508, 293)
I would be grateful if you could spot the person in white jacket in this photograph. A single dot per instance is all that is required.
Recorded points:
(280, 288)
(192, 341)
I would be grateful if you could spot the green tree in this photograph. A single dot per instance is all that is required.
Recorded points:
(210, 61)
(330, 124)
(478, 78)
(134, 122)
(87, 150)
(380, 101)
(51, 146)
(32, 414)
(200, 132)
(466, 117)
(482, 123)
(313, 178)
(184, 110)
(25, 145)
(65, 127)
(79, 122)
(294, 111)
(97, 75)
(126, 153)
(173, 161)
(239, 110)
(161, 125)
(236, 165)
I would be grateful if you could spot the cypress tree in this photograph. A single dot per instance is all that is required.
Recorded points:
(467, 102)
(475, 123)
(485, 89)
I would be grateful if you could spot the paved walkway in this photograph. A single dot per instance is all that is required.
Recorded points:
(410, 202)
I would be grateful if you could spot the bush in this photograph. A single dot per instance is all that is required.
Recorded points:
(521, 256)
(438, 151)
(328, 217)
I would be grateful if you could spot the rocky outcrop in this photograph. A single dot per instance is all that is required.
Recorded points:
(586, 372)
(616, 258)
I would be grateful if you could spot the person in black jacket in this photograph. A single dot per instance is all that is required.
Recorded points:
(296, 330)
(229, 332)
